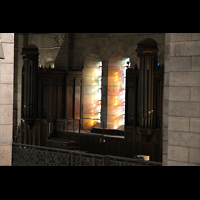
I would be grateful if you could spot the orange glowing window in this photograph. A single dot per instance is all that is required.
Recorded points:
(116, 94)
(92, 94)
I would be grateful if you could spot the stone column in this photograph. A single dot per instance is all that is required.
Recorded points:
(184, 100)
(166, 98)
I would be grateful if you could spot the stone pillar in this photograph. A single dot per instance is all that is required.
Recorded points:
(184, 100)
(6, 98)
(166, 98)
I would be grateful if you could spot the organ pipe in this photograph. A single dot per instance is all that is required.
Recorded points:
(145, 93)
(149, 96)
(152, 73)
(146, 78)
(142, 93)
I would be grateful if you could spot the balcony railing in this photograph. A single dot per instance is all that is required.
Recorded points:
(29, 155)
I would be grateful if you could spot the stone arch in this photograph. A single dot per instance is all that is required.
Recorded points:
(49, 61)
(117, 46)
(122, 47)
(47, 56)
(91, 49)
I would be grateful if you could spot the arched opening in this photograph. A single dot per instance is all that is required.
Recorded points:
(49, 63)
(92, 92)
(117, 66)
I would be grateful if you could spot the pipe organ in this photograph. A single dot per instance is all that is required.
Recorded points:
(144, 96)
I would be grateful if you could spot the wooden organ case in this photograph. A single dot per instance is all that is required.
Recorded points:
(144, 104)
(48, 96)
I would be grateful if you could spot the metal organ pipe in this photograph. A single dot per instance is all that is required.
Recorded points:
(146, 91)
(152, 91)
(141, 92)
(149, 95)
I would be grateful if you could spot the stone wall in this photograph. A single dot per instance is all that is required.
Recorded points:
(166, 98)
(6, 98)
(183, 94)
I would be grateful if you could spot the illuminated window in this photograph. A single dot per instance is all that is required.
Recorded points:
(92, 92)
(116, 94)
(98, 95)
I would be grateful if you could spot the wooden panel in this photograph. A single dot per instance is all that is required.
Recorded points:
(44, 101)
(144, 144)
(129, 140)
(37, 133)
(61, 104)
(131, 107)
(53, 103)
(70, 94)
(59, 125)
(77, 102)
(91, 143)
(33, 135)
(70, 81)
(44, 132)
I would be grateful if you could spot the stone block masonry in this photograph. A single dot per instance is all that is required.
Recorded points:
(6, 98)
(184, 100)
